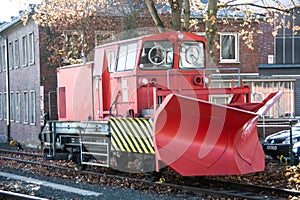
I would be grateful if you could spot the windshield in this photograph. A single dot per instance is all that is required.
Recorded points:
(192, 55)
(157, 55)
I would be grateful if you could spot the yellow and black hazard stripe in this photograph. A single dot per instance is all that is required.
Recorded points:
(131, 135)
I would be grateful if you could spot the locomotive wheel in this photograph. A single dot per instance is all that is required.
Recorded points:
(80, 167)
(153, 176)
(122, 160)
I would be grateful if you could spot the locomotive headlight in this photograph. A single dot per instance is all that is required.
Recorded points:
(198, 80)
(206, 80)
(180, 36)
(143, 81)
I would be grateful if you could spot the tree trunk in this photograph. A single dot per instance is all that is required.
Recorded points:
(176, 9)
(211, 29)
(187, 11)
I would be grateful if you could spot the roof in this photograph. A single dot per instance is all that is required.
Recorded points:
(8, 25)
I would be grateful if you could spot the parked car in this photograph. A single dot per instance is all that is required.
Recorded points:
(278, 144)
(296, 151)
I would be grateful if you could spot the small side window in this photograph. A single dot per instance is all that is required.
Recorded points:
(62, 102)
(127, 57)
(110, 57)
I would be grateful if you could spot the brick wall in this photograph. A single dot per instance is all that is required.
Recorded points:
(249, 59)
(24, 78)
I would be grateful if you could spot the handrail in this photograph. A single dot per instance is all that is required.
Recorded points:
(205, 74)
(224, 69)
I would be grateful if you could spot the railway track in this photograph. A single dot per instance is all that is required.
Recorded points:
(194, 187)
(14, 195)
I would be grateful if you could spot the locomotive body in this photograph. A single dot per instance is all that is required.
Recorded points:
(148, 100)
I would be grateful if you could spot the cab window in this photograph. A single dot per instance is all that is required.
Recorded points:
(127, 57)
(157, 55)
(192, 55)
(110, 57)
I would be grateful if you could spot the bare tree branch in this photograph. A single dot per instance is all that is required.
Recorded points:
(154, 14)
(265, 7)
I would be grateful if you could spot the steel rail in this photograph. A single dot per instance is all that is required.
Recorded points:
(21, 153)
(14, 195)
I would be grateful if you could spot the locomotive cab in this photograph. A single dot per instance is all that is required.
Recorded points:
(142, 72)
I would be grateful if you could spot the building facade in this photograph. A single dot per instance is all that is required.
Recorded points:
(284, 60)
(32, 91)
(28, 79)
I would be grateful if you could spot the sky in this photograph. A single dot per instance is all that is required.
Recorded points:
(10, 8)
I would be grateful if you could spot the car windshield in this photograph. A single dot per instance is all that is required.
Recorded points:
(192, 55)
(296, 128)
(157, 55)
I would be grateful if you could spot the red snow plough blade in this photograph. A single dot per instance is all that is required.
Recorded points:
(195, 137)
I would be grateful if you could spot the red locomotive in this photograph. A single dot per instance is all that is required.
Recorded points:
(147, 101)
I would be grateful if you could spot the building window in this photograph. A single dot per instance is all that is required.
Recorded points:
(229, 48)
(18, 107)
(102, 36)
(10, 55)
(1, 61)
(1, 107)
(26, 107)
(12, 107)
(3, 58)
(74, 47)
(287, 40)
(5, 106)
(17, 54)
(32, 107)
(31, 48)
(24, 50)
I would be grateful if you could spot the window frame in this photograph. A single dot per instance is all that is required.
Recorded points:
(5, 106)
(1, 60)
(146, 64)
(287, 40)
(236, 58)
(24, 51)
(18, 106)
(70, 36)
(26, 107)
(4, 57)
(16, 53)
(12, 106)
(31, 49)
(111, 60)
(183, 55)
(1, 106)
(32, 108)
(109, 35)
(129, 52)
(11, 55)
